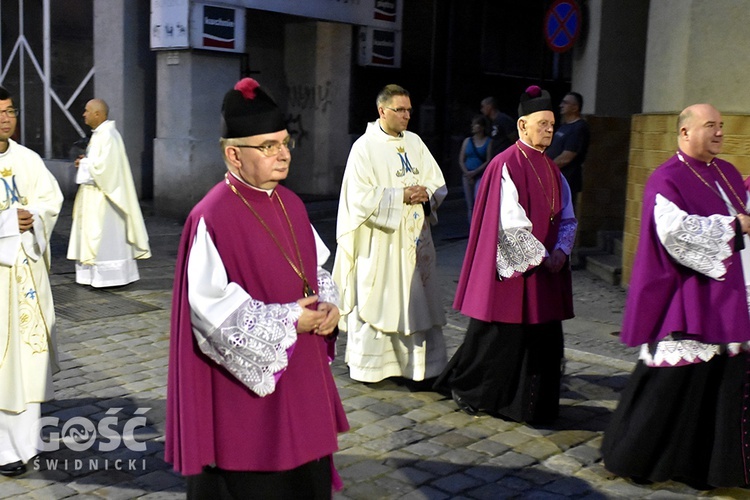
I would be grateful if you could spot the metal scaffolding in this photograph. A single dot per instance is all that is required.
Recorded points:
(22, 50)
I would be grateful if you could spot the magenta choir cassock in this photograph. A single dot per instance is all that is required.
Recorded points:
(509, 362)
(684, 412)
(212, 417)
(664, 298)
(537, 297)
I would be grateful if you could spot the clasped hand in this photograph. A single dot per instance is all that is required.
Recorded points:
(322, 321)
(25, 220)
(555, 261)
(744, 222)
(415, 194)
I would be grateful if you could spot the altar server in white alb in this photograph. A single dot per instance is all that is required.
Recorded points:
(392, 307)
(108, 232)
(30, 202)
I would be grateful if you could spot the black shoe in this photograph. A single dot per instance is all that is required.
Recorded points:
(463, 405)
(420, 385)
(695, 483)
(14, 469)
(641, 480)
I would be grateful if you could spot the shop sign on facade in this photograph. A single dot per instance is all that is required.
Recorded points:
(182, 24)
(385, 14)
(218, 28)
(386, 10)
(377, 47)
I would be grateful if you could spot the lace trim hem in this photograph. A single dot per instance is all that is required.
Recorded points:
(254, 343)
(670, 352)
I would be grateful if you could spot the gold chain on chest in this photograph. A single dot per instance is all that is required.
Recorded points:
(541, 184)
(709, 186)
(298, 269)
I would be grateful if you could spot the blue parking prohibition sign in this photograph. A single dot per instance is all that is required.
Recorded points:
(562, 25)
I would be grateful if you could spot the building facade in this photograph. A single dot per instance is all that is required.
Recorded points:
(325, 60)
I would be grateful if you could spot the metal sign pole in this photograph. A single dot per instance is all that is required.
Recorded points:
(46, 78)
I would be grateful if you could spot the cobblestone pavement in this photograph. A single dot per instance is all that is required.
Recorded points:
(113, 348)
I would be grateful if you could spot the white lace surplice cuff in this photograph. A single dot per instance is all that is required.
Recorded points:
(702, 243)
(670, 352)
(327, 289)
(517, 252)
(254, 343)
(566, 237)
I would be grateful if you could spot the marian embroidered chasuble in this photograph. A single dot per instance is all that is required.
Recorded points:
(385, 259)
(392, 308)
(27, 315)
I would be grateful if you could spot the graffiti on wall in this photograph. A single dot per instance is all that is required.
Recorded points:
(311, 97)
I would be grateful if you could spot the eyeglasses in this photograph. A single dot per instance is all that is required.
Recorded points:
(401, 111)
(271, 149)
(10, 112)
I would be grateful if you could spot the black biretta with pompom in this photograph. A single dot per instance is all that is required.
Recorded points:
(534, 99)
(248, 110)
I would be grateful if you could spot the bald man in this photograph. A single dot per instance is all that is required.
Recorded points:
(108, 233)
(683, 414)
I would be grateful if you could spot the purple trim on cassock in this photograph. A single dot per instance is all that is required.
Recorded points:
(536, 296)
(666, 297)
(211, 417)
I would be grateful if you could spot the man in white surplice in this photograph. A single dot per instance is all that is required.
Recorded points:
(30, 202)
(108, 233)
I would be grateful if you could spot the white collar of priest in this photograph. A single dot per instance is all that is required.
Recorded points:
(400, 134)
(269, 192)
(103, 126)
(532, 147)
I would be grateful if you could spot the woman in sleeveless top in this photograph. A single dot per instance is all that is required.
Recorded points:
(476, 152)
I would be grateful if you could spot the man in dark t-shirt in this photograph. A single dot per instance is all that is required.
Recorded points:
(571, 142)
(503, 131)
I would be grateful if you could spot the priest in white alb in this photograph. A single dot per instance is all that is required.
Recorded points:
(392, 308)
(108, 234)
(30, 202)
